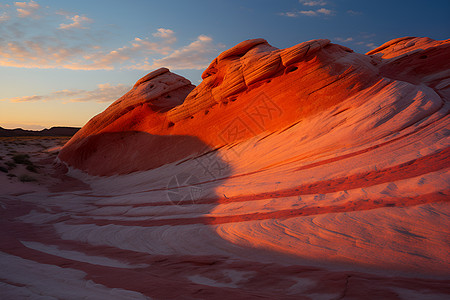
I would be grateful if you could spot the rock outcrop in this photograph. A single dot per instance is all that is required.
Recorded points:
(416, 60)
(311, 172)
(247, 90)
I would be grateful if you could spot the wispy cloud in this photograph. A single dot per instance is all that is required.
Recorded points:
(309, 13)
(4, 17)
(318, 12)
(313, 3)
(354, 13)
(103, 93)
(363, 39)
(344, 40)
(290, 14)
(27, 9)
(308, 9)
(52, 43)
(196, 55)
(77, 22)
(167, 34)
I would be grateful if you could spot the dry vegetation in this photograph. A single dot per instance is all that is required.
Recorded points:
(24, 158)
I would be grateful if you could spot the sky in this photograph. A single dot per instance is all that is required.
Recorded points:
(62, 62)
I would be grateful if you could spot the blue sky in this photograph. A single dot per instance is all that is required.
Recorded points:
(62, 62)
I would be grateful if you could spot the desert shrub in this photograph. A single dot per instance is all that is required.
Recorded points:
(11, 175)
(32, 168)
(1, 157)
(3, 169)
(10, 164)
(26, 178)
(22, 159)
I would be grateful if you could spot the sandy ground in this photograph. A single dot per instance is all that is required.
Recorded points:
(130, 237)
(40, 173)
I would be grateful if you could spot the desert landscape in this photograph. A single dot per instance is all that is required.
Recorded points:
(311, 172)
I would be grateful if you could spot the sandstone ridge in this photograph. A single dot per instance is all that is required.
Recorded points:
(254, 88)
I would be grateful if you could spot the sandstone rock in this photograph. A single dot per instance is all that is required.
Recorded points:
(416, 60)
(247, 90)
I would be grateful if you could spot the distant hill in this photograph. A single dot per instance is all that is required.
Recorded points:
(54, 131)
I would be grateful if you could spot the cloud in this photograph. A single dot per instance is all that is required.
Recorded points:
(31, 54)
(4, 17)
(313, 13)
(141, 53)
(362, 39)
(51, 42)
(310, 13)
(290, 14)
(324, 11)
(76, 22)
(27, 9)
(33, 98)
(313, 3)
(354, 13)
(138, 50)
(166, 34)
(344, 40)
(196, 55)
(103, 93)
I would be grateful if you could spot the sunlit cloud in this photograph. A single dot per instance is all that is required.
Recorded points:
(324, 11)
(196, 55)
(26, 9)
(354, 13)
(290, 14)
(363, 39)
(309, 10)
(52, 42)
(4, 17)
(77, 22)
(310, 13)
(313, 3)
(321, 11)
(167, 34)
(140, 53)
(103, 93)
(344, 40)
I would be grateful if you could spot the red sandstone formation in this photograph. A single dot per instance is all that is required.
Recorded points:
(296, 83)
(246, 81)
(311, 172)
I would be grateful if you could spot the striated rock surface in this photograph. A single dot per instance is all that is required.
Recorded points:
(417, 60)
(311, 172)
(239, 88)
(116, 141)
(250, 88)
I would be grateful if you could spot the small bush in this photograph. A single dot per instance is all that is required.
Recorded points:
(11, 165)
(1, 157)
(11, 175)
(3, 169)
(32, 168)
(26, 178)
(22, 159)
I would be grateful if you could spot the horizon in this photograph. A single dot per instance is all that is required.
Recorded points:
(64, 62)
(47, 128)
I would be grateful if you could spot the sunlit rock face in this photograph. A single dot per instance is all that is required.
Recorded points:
(311, 171)
(239, 88)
